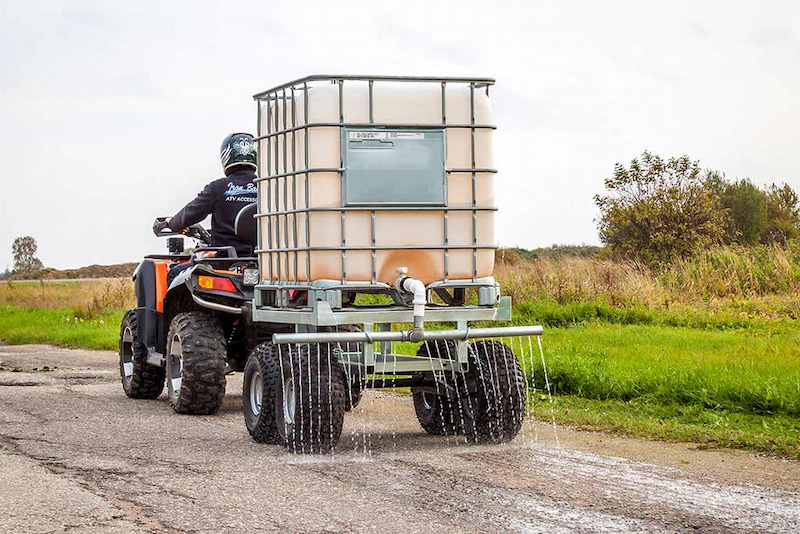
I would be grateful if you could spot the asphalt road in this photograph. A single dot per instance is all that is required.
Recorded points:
(77, 455)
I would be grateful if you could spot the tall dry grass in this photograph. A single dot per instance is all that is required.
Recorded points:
(721, 274)
(765, 278)
(85, 299)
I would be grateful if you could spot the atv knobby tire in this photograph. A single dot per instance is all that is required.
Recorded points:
(498, 403)
(310, 404)
(437, 414)
(139, 379)
(196, 363)
(262, 380)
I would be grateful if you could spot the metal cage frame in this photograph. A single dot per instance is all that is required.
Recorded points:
(280, 127)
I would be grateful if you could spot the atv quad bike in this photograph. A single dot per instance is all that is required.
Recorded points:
(191, 331)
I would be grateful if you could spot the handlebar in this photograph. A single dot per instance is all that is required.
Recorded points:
(161, 229)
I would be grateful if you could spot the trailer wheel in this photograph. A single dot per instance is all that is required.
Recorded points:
(262, 381)
(498, 404)
(195, 363)
(437, 414)
(139, 379)
(354, 391)
(355, 380)
(310, 405)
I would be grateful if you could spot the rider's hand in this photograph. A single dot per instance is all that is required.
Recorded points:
(158, 226)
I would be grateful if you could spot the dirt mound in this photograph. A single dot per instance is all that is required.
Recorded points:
(118, 270)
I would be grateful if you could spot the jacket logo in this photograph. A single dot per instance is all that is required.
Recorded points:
(234, 192)
(233, 189)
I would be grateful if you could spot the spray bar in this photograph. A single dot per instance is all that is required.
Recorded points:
(406, 335)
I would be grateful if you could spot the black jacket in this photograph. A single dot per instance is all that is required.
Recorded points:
(222, 199)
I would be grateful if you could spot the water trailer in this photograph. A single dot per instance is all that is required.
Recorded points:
(375, 217)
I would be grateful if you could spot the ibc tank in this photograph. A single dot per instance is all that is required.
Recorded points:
(360, 176)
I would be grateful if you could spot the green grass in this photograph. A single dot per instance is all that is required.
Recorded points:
(734, 315)
(772, 434)
(59, 327)
(736, 371)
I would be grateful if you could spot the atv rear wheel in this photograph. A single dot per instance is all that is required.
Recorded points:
(139, 379)
(310, 404)
(196, 363)
(497, 407)
(262, 374)
(438, 415)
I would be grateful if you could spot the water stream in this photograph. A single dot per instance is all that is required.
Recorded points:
(307, 376)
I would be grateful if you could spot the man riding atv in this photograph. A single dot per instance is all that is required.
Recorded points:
(191, 324)
(223, 199)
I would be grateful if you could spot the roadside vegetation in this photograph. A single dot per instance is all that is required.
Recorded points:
(59, 327)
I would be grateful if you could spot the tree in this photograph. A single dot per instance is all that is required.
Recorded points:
(747, 212)
(783, 215)
(657, 210)
(25, 260)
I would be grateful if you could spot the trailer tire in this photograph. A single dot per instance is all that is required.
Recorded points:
(310, 406)
(355, 381)
(196, 363)
(139, 379)
(438, 415)
(498, 403)
(262, 378)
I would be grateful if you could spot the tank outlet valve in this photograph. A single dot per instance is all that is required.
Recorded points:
(417, 289)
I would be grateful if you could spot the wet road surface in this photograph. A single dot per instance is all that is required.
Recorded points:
(77, 455)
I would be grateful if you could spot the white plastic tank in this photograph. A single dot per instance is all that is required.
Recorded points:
(352, 219)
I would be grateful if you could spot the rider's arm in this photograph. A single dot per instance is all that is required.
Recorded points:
(195, 211)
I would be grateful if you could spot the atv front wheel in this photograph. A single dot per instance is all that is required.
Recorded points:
(196, 363)
(139, 379)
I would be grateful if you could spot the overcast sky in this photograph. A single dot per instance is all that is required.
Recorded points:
(112, 113)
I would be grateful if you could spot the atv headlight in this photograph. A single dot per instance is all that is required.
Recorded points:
(250, 277)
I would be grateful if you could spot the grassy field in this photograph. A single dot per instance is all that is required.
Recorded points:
(673, 356)
(59, 327)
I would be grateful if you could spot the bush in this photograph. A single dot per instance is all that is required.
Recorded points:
(746, 205)
(660, 211)
(783, 215)
(657, 211)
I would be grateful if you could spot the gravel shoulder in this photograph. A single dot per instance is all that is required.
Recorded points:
(77, 455)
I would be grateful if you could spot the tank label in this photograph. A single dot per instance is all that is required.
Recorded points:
(385, 135)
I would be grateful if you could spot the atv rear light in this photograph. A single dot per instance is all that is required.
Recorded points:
(215, 283)
(250, 277)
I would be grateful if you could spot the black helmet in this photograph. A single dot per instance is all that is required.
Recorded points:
(238, 149)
